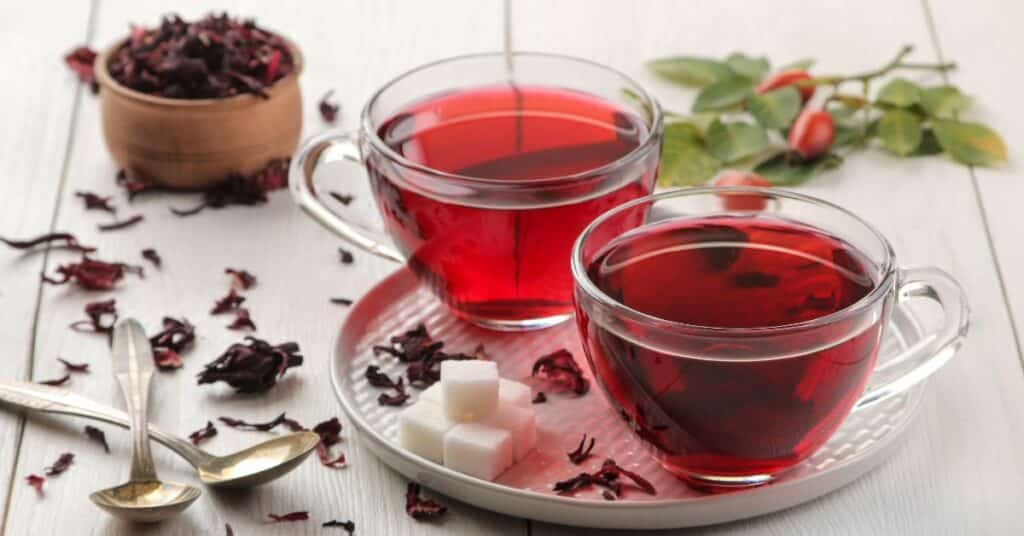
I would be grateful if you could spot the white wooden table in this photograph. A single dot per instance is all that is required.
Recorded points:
(960, 470)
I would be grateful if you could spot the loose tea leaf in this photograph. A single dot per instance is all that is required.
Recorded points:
(241, 278)
(328, 110)
(152, 256)
(203, 433)
(580, 454)
(67, 241)
(97, 311)
(95, 202)
(123, 224)
(98, 436)
(57, 382)
(419, 508)
(294, 516)
(561, 367)
(93, 274)
(215, 57)
(74, 367)
(253, 367)
(61, 465)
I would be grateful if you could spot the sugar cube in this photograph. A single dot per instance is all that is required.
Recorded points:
(520, 423)
(516, 393)
(432, 393)
(478, 450)
(422, 428)
(469, 388)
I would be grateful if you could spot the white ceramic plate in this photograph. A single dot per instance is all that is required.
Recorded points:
(399, 303)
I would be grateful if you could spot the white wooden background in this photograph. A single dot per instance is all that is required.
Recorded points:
(962, 465)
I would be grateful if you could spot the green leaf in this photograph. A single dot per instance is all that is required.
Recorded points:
(970, 143)
(684, 162)
(690, 71)
(723, 94)
(682, 131)
(943, 101)
(730, 142)
(900, 92)
(847, 136)
(900, 131)
(775, 109)
(801, 65)
(781, 170)
(747, 67)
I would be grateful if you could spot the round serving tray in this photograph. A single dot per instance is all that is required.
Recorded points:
(399, 302)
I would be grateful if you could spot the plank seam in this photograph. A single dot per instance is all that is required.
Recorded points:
(933, 32)
(68, 149)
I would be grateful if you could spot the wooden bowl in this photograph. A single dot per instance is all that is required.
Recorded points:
(194, 143)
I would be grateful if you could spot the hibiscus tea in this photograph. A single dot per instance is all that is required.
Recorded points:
(496, 264)
(712, 419)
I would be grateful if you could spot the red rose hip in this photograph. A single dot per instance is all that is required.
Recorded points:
(734, 201)
(787, 78)
(811, 134)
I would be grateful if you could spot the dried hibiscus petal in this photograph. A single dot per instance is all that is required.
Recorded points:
(293, 516)
(35, 481)
(328, 110)
(419, 508)
(377, 378)
(241, 190)
(344, 199)
(241, 278)
(98, 436)
(413, 345)
(96, 202)
(242, 320)
(168, 344)
(580, 454)
(152, 256)
(123, 224)
(348, 526)
(203, 433)
(57, 382)
(281, 419)
(97, 311)
(345, 256)
(61, 465)
(80, 61)
(330, 434)
(560, 367)
(133, 184)
(68, 242)
(341, 301)
(228, 303)
(570, 485)
(540, 398)
(74, 367)
(93, 274)
(610, 471)
(253, 367)
(215, 57)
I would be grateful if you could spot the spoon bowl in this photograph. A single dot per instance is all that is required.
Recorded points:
(259, 463)
(145, 502)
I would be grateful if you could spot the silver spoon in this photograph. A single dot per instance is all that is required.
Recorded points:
(144, 497)
(252, 466)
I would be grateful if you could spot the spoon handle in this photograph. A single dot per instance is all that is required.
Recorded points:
(47, 399)
(133, 367)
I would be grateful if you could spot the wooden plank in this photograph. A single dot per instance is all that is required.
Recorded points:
(982, 39)
(353, 48)
(40, 96)
(960, 467)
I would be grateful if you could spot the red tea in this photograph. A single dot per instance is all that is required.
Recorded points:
(498, 263)
(736, 417)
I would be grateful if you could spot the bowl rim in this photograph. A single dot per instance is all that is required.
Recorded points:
(107, 82)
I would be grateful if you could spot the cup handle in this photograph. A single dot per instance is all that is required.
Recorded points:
(933, 351)
(334, 147)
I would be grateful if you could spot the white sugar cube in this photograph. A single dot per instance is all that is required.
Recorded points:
(432, 394)
(469, 388)
(478, 450)
(520, 422)
(422, 428)
(516, 393)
